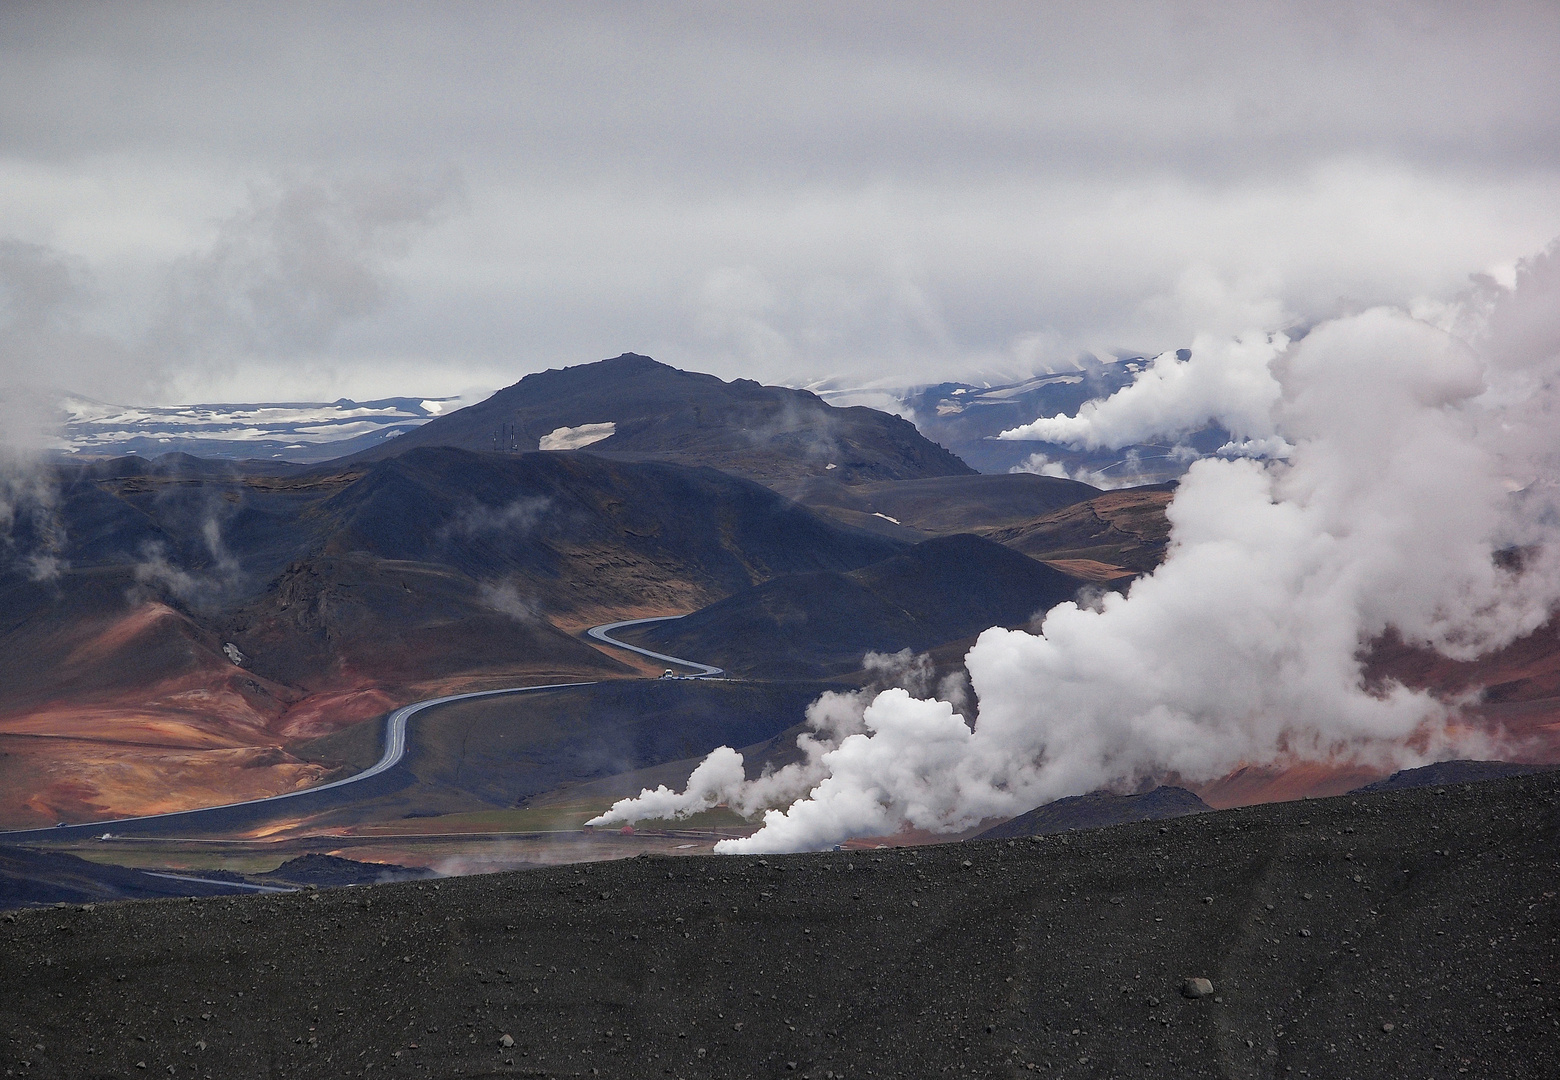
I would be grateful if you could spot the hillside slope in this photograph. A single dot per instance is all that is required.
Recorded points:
(1401, 934)
(821, 624)
(1122, 532)
(1096, 810)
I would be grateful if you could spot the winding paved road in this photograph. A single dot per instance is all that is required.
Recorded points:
(603, 633)
(395, 744)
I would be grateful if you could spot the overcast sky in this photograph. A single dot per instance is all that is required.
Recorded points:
(231, 201)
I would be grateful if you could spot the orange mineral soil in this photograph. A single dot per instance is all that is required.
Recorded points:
(106, 715)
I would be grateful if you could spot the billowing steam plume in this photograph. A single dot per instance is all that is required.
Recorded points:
(1396, 461)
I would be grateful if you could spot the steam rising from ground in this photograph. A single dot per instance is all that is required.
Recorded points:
(1403, 454)
(196, 588)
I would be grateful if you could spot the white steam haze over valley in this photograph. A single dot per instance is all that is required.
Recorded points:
(1299, 258)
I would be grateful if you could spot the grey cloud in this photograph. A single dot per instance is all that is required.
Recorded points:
(281, 277)
(294, 265)
(921, 191)
(809, 87)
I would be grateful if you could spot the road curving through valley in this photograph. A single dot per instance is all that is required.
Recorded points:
(394, 749)
(604, 634)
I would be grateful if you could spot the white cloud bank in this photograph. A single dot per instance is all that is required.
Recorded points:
(1420, 448)
(914, 191)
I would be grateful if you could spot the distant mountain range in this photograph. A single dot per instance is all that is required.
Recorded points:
(294, 431)
(965, 418)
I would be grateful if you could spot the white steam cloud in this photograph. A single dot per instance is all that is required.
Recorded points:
(516, 517)
(1229, 382)
(196, 588)
(1419, 449)
(720, 779)
(505, 598)
(1128, 472)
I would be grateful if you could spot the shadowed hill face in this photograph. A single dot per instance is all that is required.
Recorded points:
(1454, 772)
(812, 625)
(504, 751)
(576, 532)
(766, 433)
(335, 624)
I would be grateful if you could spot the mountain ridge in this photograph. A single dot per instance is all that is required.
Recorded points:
(766, 433)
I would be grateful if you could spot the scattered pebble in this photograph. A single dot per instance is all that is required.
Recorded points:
(506, 1041)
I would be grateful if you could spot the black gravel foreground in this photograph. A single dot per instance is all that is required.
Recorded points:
(1401, 934)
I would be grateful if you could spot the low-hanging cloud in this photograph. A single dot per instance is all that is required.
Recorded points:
(283, 275)
(506, 598)
(32, 534)
(289, 269)
(1419, 452)
(1128, 472)
(916, 193)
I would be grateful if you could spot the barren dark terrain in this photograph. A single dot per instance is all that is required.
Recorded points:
(1394, 934)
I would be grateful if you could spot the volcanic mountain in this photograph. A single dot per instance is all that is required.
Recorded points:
(633, 407)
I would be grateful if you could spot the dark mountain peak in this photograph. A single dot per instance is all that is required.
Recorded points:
(638, 408)
(633, 359)
(605, 378)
